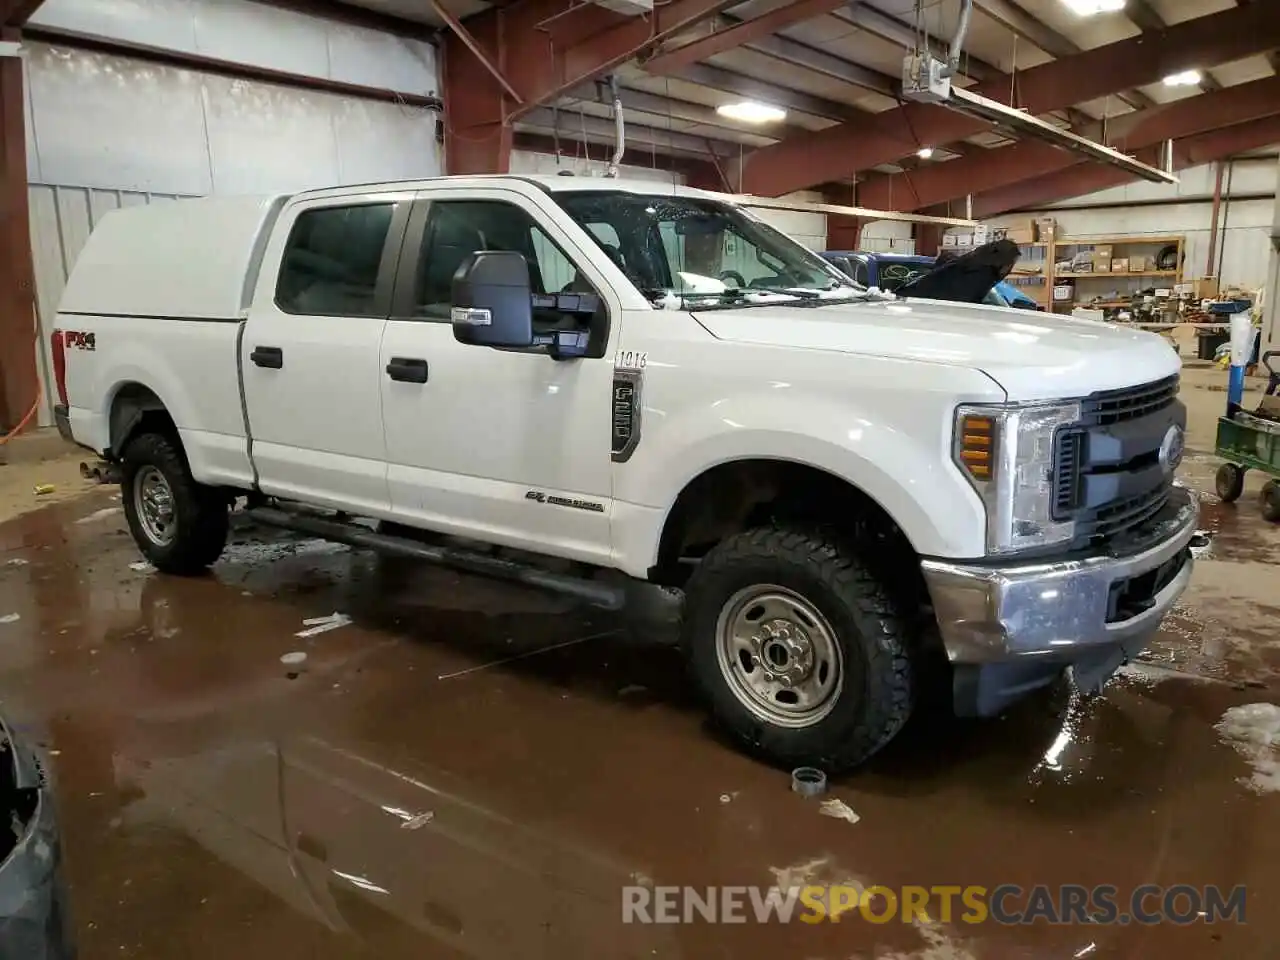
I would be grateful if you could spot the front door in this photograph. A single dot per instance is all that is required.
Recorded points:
(310, 351)
(508, 446)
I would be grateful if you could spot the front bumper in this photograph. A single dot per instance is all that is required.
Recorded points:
(1010, 629)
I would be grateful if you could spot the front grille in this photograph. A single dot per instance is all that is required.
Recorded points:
(1066, 472)
(1120, 516)
(1077, 463)
(1132, 403)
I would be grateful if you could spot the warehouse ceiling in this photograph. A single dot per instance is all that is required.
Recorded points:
(835, 68)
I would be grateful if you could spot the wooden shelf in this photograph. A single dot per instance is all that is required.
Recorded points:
(1119, 241)
(1108, 273)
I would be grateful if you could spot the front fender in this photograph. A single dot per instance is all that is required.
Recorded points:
(908, 472)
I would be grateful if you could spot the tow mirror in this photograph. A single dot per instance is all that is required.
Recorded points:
(492, 303)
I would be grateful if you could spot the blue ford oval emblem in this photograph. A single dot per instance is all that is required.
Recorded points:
(1171, 448)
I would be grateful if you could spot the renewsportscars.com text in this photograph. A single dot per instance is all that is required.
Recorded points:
(1008, 904)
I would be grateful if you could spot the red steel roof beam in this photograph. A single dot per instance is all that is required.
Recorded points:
(990, 169)
(542, 49)
(839, 151)
(673, 61)
(1084, 178)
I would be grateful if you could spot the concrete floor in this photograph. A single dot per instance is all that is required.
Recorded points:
(213, 805)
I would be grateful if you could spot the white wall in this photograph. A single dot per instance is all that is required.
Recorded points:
(106, 131)
(1246, 248)
(888, 236)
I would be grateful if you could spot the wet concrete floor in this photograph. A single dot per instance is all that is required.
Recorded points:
(472, 770)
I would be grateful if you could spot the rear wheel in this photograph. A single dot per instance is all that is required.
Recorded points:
(1271, 501)
(798, 648)
(179, 525)
(1229, 482)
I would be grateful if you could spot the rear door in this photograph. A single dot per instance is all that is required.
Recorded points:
(310, 350)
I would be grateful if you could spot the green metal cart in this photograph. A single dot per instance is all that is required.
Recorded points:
(1250, 443)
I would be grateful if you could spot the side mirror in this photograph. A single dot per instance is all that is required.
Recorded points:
(492, 304)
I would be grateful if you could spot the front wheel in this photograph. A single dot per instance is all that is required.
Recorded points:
(1228, 482)
(798, 648)
(179, 525)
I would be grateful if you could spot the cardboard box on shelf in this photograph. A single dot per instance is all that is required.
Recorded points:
(1204, 288)
(964, 240)
(950, 240)
(1063, 291)
(1103, 251)
(1046, 229)
(1139, 264)
(1120, 265)
(1164, 292)
(1183, 289)
(1022, 236)
(981, 234)
(1102, 266)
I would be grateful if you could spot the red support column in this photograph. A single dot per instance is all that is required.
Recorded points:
(18, 381)
(843, 233)
(928, 239)
(476, 138)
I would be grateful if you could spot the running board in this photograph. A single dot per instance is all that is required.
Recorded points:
(597, 594)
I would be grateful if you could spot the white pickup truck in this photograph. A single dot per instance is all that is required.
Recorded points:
(857, 493)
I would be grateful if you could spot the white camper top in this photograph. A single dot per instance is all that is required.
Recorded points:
(188, 259)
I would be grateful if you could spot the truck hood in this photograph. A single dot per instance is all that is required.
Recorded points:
(1033, 356)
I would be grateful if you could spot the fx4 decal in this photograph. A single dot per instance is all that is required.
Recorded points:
(79, 340)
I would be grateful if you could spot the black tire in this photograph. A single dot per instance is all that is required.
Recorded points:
(201, 515)
(1271, 501)
(879, 683)
(1228, 482)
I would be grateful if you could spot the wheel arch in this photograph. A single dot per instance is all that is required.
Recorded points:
(136, 408)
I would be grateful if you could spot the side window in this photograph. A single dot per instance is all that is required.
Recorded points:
(331, 260)
(860, 274)
(457, 228)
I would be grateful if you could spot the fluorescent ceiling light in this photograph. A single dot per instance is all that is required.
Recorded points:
(1187, 78)
(924, 153)
(1087, 8)
(749, 111)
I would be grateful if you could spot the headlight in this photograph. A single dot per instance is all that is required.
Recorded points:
(1007, 452)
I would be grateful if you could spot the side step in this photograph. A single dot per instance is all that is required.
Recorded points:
(598, 594)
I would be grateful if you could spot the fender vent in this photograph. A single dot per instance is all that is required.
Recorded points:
(1066, 472)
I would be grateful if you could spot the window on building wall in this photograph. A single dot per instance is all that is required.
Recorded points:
(331, 261)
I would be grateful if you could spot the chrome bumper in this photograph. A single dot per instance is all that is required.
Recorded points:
(990, 614)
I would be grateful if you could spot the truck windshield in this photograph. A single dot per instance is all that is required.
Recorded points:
(702, 250)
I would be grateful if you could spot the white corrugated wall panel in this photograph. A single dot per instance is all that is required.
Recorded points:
(257, 34)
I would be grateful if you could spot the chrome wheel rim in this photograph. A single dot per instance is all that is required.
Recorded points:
(779, 656)
(153, 503)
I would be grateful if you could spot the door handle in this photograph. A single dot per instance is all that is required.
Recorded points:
(407, 369)
(272, 357)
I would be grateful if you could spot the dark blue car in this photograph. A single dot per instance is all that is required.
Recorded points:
(889, 271)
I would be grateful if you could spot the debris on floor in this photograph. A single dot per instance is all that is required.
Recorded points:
(16, 562)
(43, 489)
(294, 659)
(418, 822)
(318, 625)
(808, 781)
(838, 809)
(1254, 731)
(142, 567)
(10, 618)
(98, 515)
